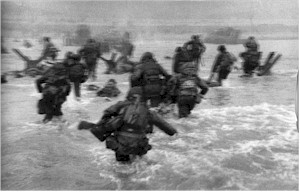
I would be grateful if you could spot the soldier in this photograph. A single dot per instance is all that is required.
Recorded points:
(195, 48)
(222, 65)
(152, 78)
(124, 126)
(55, 90)
(251, 44)
(181, 56)
(184, 86)
(109, 90)
(76, 71)
(49, 49)
(90, 53)
(111, 64)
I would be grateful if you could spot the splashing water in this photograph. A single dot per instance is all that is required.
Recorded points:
(241, 137)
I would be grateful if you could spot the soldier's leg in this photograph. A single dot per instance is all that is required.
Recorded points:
(155, 101)
(121, 157)
(49, 108)
(94, 65)
(77, 88)
(192, 103)
(183, 107)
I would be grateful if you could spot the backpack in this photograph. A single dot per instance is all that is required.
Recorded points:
(135, 116)
(227, 60)
(188, 68)
(188, 86)
(152, 83)
(253, 58)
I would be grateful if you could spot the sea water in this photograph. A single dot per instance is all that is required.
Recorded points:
(242, 136)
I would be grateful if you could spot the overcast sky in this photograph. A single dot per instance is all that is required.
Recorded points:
(240, 11)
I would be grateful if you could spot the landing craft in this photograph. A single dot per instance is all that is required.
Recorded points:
(227, 35)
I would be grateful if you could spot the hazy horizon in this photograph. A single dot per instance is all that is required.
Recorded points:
(226, 12)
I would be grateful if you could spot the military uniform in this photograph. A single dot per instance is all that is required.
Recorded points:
(222, 64)
(90, 53)
(55, 90)
(251, 61)
(195, 48)
(109, 90)
(123, 137)
(49, 49)
(76, 72)
(184, 87)
(181, 56)
(151, 77)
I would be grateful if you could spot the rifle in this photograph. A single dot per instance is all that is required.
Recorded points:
(97, 130)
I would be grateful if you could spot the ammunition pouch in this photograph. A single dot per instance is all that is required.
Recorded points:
(114, 123)
(112, 143)
(41, 107)
(100, 132)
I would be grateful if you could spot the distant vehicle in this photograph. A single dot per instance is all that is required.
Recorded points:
(227, 35)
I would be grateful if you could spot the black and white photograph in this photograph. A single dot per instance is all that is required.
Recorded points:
(150, 95)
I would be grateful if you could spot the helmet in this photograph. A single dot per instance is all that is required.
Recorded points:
(146, 56)
(69, 54)
(46, 39)
(178, 49)
(112, 81)
(221, 48)
(75, 57)
(90, 41)
(134, 91)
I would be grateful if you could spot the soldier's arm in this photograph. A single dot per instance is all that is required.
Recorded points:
(39, 83)
(137, 74)
(216, 63)
(203, 47)
(164, 72)
(187, 44)
(175, 64)
(113, 111)
(163, 125)
(202, 85)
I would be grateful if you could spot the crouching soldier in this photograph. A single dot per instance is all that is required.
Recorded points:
(124, 126)
(55, 87)
(109, 90)
(184, 87)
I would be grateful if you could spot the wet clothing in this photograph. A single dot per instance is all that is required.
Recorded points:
(195, 48)
(55, 90)
(90, 53)
(50, 50)
(126, 138)
(111, 64)
(77, 75)
(222, 65)
(179, 58)
(152, 78)
(126, 49)
(185, 89)
(110, 90)
(251, 61)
